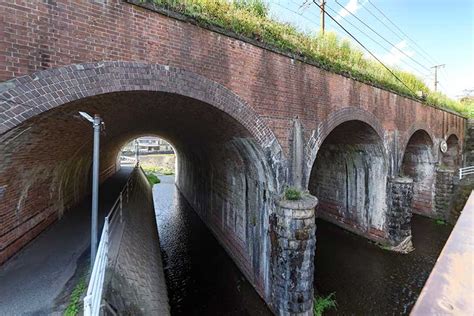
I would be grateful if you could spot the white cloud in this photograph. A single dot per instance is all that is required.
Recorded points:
(397, 54)
(352, 6)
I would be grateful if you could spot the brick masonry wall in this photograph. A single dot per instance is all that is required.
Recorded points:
(418, 164)
(231, 188)
(232, 88)
(444, 193)
(349, 179)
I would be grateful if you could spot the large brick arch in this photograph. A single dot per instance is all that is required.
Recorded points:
(325, 127)
(24, 97)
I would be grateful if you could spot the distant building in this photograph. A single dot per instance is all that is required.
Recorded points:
(149, 145)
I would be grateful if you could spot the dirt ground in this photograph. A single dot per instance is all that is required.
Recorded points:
(159, 160)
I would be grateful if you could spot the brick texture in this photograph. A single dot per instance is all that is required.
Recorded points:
(223, 102)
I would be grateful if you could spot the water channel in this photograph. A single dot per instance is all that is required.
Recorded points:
(367, 280)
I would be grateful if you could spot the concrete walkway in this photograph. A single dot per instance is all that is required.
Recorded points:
(137, 283)
(31, 281)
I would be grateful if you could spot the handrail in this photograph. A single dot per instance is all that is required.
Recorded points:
(93, 298)
(465, 171)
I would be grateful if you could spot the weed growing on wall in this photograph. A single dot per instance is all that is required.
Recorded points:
(324, 303)
(292, 194)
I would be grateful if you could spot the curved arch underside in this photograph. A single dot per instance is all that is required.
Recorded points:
(451, 159)
(418, 164)
(223, 171)
(349, 178)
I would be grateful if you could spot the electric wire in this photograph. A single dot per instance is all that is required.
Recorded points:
(363, 46)
(375, 41)
(382, 37)
(404, 34)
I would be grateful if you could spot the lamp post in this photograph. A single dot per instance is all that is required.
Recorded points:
(96, 124)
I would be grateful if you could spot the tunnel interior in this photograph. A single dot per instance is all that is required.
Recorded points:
(419, 165)
(349, 178)
(222, 170)
(450, 158)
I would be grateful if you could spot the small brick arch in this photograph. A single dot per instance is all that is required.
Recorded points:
(452, 157)
(25, 97)
(403, 143)
(325, 127)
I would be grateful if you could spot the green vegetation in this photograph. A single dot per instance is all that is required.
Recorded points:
(292, 194)
(250, 18)
(74, 301)
(152, 178)
(384, 247)
(160, 170)
(323, 303)
(441, 222)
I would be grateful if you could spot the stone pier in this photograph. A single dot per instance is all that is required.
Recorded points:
(293, 246)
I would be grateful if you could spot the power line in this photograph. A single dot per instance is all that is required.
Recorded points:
(349, 33)
(300, 14)
(375, 41)
(370, 28)
(400, 30)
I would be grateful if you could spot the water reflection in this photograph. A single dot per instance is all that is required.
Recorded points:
(202, 279)
(371, 281)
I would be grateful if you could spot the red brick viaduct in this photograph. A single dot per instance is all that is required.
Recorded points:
(246, 121)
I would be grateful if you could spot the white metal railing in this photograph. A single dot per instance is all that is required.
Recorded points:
(93, 298)
(465, 171)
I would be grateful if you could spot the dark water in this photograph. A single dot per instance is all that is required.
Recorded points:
(370, 281)
(202, 279)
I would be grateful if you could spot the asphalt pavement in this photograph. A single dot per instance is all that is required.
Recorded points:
(32, 280)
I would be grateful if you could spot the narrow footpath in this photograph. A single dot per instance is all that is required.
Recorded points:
(32, 281)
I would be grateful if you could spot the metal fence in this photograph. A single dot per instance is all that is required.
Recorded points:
(465, 171)
(93, 298)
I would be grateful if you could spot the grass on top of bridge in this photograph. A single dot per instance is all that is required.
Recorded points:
(250, 18)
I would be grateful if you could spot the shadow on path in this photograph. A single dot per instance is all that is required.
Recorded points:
(32, 279)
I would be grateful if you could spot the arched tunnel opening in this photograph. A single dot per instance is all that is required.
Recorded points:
(222, 171)
(451, 158)
(419, 165)
(349, 178)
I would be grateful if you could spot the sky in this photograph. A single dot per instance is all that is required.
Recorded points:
(424, 33)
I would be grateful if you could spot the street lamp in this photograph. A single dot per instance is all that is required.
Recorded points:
(96, 123)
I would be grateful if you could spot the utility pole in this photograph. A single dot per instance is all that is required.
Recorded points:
(436, 75)
(323, 15)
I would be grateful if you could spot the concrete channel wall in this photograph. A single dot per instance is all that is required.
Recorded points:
(135, 281)
(450, 287)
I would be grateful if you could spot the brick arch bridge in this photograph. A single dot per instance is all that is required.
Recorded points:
(246, 121)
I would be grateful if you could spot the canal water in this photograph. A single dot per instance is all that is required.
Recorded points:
(201, 278)
(367, 280)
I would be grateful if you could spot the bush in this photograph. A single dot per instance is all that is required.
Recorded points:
(323, 303)
(292, 194)
(250, 18)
